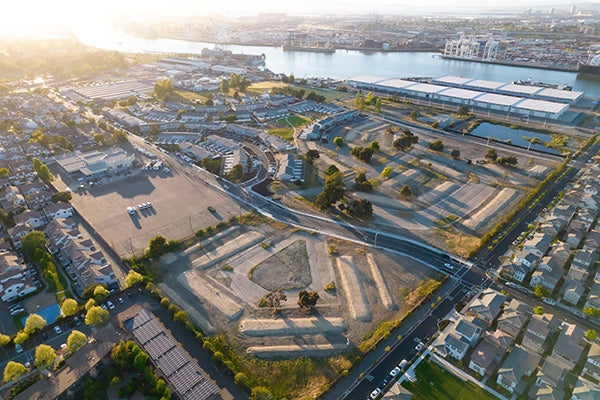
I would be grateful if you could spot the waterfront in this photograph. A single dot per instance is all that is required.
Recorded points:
(347, 63)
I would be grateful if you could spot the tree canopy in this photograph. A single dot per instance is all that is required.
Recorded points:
(338, 141)
(362, 153)
(236, 174)
(312, 155)
(44, 356)
(31, 242)
(75, 341)
(133, 278)
(13, 371)
(34, 323)
(69, 307)
(96, 316)
(307, 300)
(437, 145)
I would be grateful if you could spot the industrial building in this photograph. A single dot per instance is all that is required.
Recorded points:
(524, 100)
(95, 164)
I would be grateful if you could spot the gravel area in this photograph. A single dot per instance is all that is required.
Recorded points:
(229, 307)
(292, 326)
(488, 211)
(295, 350)
(286, 269)
(356, 299)
(384, 292)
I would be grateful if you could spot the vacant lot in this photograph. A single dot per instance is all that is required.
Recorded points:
(435, 383)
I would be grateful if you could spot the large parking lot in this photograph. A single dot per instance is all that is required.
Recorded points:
(179, 207)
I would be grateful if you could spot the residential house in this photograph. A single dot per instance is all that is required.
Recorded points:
(552, 373)
(290, 169)
(58, 211)
(560, 253)
(13, 280)
(17, 232)
(593, 298)
(30, 188)
(585, 390)
(589, 201)
(546, 393)
(573, 290)
(586, 216)
(538, 329)
(487, 305)
(456, 347)
(512, 322)
(500, 339)
(527, 258)
(34, 218)
(482, 358)
(38, 200)
(574, 238)
(538, 245)
(592, 241)
(569, 345)
(592, 362)
(585, 258)
(578, 273)
(564, 211)
(547, 274)
(519, 364)
(59, 232)
(579, 225)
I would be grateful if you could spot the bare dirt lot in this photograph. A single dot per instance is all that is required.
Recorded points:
(179, 208)
(225, 295)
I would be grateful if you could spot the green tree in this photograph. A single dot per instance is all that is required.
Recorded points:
(360, 208)
(386, 172)
(405, 141)
(455, 154)
(157, 247)
(414, 115)
(224, 86)
(44, 356)
(34, 323)
(4, 172)
(162, 89)
(241, 379)
(406, 192)
(541, 291)
(332, 169)
(89, 304)
(312, 155)
(31, 242)
(45, 174)
(361, 183)
(437, 145)
(63, 197)
(260, 393)
(374, 146)
(69, 307)
(307, 300)
(75, 341)
(378, 106)
(133, 278)
(96, 316)
(591, 335)
(370, 99)
(510, 160)
(4, 340)
(362, 153)
(118, 137)
(231, 118)
(274, 299)
(13, 371)
(236, 174)
(462, 110)
(140, 361)
(100, 293)
(21, 337)
(538, 310)
(338, 141)
(592, 312)
(491, 155)
(435, 124)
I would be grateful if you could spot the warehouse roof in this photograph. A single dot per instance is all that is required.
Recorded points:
(396, 83)
(520, 89)
(560, 94)
(499, 99)
(367, 78)
(541, 105)
(481, 84)
(460, 93)
(427, 88)
(452, 80)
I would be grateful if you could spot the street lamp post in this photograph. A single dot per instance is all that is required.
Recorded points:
(375, 242)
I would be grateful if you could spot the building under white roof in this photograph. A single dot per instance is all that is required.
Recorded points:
(540, 108)
(450, 80)
(364, 80)
(424, 89)
(559, 95)
(483, 85)
(457, 95)
(493, 101)
(395, 83)
(95, 163)
(513, 88)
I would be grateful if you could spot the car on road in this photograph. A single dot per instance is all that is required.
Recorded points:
(403, 364)
(17, 311)
(57, 330)
(395, 372)
(131, 210)
(549, 301)
(110, 305)
(449, 266)
(383, 383)
(120, 300)
(18, 348)
(420, 346)
(375, 393)
(104, 307)
(15, 306)
(45, 335)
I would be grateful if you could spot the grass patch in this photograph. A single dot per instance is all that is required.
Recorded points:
(286, 134)
(181, 95)
(447, 220)
(422, 291)
(294, 120)
(435, 383)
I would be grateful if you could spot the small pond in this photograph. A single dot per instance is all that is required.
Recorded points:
(516, 137)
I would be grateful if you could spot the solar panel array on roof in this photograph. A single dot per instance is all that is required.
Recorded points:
(179, 369)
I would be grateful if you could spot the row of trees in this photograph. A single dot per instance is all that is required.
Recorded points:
(510, 161)
(361, 102)
(54, 143)
(298, 93)
(306, 300)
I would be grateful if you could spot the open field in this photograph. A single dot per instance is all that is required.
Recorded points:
(261, 87)
(286, 133)
(435, 383)
(294, 120)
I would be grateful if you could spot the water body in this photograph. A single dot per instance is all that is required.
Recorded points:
(515, 136)
(348, 63)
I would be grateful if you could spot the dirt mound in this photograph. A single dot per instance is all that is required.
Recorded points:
(291, 326)
(357, 301)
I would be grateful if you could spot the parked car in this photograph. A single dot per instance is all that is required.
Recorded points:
(549, 301)
(120, 300)
(45, 335)
(57, 329)
(395, 372)
(375, 393)
(419, 346)
(110, 305)
(104, 307)
(18, 348)
(403, 364)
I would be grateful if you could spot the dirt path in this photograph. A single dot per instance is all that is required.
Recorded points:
(484, 214)
(356, 299)
(208, 291)
(304, 350)
(228, 249)
(384, 292)
(291, 326)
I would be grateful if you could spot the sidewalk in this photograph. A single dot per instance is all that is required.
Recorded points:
(373, 358)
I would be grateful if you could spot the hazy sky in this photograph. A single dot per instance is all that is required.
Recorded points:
(19, 16)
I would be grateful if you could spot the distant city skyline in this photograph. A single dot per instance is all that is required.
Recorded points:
(38, 16)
